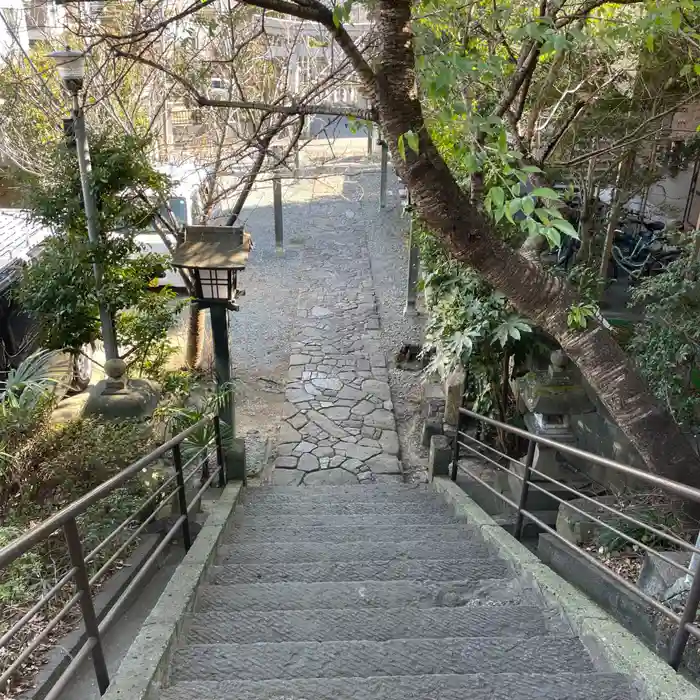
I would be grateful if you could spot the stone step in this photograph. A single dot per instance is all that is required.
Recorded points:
(338, 534)
(423, 506)
(378, 624)
(245, 553)
(341, 494)
(396, 520)
(378, 570)
(364, 594)
(497, 686)
(216, 662)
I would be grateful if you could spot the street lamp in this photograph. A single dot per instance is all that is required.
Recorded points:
(213, 256)
(71, 70)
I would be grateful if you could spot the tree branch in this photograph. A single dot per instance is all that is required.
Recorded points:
(295, 109)
(317, 12)
(633, 136)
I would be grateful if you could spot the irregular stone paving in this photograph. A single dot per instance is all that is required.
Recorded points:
(338, 421)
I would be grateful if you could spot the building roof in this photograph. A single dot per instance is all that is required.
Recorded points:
(19, 242)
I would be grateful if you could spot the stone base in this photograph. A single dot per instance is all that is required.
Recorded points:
(549, 462)
(440, 456)
(138, 399)
(235, 460)
(539, 500)
(431, 427)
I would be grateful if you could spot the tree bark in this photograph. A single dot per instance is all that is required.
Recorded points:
(541, 297)
(194, 344)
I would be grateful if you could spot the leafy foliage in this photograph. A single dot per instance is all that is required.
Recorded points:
(59, 288)
(473, 326)
(27, 397)
(666, 343)
(179, 417)
(579, 314)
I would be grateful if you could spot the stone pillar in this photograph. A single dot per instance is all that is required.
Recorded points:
(454, 391)
(439, 457)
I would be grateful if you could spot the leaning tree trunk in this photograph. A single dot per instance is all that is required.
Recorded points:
(543, 298)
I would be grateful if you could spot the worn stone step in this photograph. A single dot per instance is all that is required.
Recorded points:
(304, 520)
(544, 654)
(336, 534)
(350, 491)
(364, 594)
(425, 505)
(340, 494)
(474, 570)
(301, 551)
(378, 624)
(498, 686)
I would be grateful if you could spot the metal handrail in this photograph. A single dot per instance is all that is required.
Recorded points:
(684, 621)
(674, 487)
(22, 544)
(78, 572)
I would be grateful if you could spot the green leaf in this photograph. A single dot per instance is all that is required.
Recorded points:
(543, 215)
(531, 169)
(565, 227)
(528, 205)
(553, 236)
(402, 147)
(676, 19)
(497, 196)
(502, 142)
(545, 193)
(649, 42)
(412, 141)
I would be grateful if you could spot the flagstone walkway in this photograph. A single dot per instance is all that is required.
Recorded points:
(339, 424)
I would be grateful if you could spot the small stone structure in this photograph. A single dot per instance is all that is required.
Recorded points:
(548, 398)
(118, 396)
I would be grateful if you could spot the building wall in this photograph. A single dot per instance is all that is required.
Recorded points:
(14, 13)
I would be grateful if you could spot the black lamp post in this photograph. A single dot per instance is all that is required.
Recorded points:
(213, 256)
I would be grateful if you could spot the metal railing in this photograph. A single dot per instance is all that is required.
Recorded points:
(134, 525)
(685, 622)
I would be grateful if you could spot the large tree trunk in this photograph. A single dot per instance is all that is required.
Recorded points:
(541, 297)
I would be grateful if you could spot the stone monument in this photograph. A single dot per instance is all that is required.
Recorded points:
(118, 396)
(548, 399)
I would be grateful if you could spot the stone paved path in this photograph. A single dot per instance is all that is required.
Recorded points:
(338, 421)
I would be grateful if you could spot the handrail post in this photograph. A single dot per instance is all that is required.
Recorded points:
(82, 582)
(219, 452)
(455, 447)
(181, 497)
(455, 454)
(689, 612)
(518, 533)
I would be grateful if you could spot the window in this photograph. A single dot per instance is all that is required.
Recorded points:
(178, 206)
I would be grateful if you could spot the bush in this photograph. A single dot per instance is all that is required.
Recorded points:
(666, 343)
(473, 326)
(64, 462)
(54, 469)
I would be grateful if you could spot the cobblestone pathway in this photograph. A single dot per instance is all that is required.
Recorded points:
(338, 421)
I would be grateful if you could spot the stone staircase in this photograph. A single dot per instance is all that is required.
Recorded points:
(372, 593)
